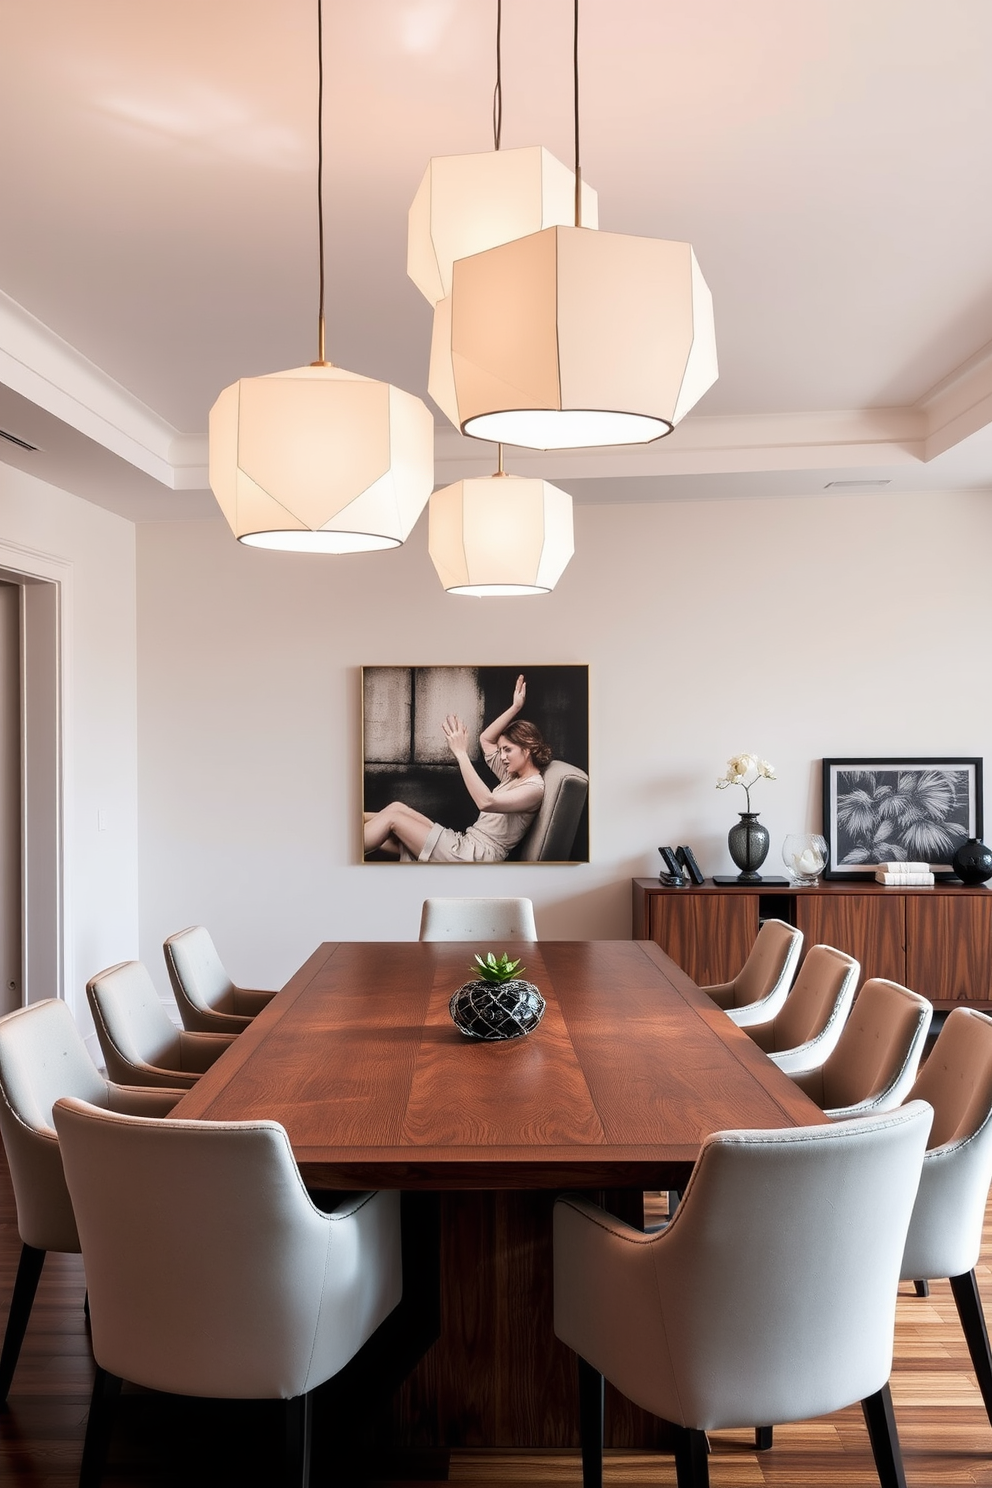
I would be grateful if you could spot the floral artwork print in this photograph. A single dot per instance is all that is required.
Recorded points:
(892, 815)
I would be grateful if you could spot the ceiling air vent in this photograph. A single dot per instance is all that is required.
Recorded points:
(13, 439)
(856, 485)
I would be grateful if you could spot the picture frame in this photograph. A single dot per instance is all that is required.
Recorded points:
(407, 760)
(882, 809)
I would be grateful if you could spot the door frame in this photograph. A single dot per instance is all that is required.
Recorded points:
(46, 752)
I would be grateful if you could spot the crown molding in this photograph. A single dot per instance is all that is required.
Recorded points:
(702, 446)
(39, 365)
(959, 405)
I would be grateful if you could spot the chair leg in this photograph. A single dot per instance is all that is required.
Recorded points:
(762, 1438)
(106, 1388)
(969, 1305)
(592, 1393)
(692, 1468)
(921, 1288)
(25, 1285)
(881, 1423)
(299, 1426)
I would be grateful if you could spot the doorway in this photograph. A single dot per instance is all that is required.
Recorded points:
(32, 849)
(10, 798)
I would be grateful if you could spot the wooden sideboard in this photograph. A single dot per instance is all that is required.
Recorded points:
(936, 940)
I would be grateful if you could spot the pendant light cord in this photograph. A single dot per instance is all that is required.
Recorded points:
(498, 90)
(575, 106)
(497, 137)
(320, 362)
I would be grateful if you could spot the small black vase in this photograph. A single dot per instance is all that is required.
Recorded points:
(748, 844)
(973, 862)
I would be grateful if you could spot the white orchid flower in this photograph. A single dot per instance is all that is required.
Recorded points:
(739, 767)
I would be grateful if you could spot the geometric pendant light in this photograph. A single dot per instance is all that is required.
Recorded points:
(468, 203)
(320, 460)
(500, 535)
(571, 338)
(317, 459)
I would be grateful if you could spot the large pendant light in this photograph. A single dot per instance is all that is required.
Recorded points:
(317, 459)
(569, 338)
(500, 535)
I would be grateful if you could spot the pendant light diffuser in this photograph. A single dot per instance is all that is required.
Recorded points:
(500, 535)
(468, 203)
(570, 338)
(320, 460)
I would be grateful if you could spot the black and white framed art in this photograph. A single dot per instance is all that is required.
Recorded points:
(899, 810)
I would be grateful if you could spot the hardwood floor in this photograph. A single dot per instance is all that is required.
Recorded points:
(946, 1436)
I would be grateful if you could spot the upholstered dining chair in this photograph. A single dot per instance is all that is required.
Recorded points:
(945, 1232)
(43, 1057)
(765, 1300)
(805, 1030)
(208, 1001)
(478, 919)
(875, 1060)
(760, 988)
(141, 1045)
(211, 1272)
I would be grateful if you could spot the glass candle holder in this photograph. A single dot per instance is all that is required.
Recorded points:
(805, 856)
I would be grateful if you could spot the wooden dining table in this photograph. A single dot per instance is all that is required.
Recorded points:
(612, 1094)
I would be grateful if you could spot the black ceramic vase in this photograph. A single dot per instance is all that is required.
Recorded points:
(748, 843)
(972, 862)
(496, 1010)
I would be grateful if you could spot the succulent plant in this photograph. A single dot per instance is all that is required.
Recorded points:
(495, 970)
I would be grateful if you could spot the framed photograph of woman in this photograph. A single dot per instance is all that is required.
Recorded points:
(465, 764)
(899, 810)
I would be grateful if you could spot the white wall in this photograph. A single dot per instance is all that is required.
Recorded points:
(100, 721)
(797, 629)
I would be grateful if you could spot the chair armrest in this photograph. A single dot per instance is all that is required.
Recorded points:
(606, 1302)
(198, 1051)
(139, 1100)
(153, 1075)
(722, 995)
(754, 1013)
(763, 1035)
(248, 1002)
(802, 1060)
(945, 1232)
(873, 1105)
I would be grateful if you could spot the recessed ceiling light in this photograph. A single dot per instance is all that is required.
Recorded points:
(856, 485)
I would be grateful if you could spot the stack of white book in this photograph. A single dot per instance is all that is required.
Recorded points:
(903, 873)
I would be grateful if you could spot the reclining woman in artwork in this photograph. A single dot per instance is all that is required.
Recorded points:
(517, 755)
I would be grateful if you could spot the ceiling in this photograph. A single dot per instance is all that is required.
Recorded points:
(830, 162)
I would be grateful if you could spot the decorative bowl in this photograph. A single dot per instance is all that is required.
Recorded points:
(805, 856)
(496, 1010)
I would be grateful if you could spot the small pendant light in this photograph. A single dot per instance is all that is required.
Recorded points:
(500, 535)
(468, 203)
(317, 459)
